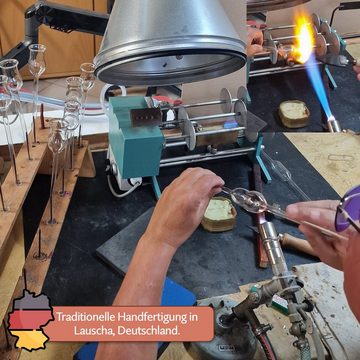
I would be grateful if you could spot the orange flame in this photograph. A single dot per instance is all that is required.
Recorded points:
(304, 38)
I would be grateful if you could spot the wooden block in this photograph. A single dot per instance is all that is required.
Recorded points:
(96, 139)
(88, 167)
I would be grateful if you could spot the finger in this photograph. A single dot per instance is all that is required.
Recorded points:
(353, 249)
(324, 204)
(255, 36)
(324, 247)
(208, 184)
(253, 49)
(315, 238)
(215, 191)
(258, 37)
(191, 176)
(318, 216)
(339, 244)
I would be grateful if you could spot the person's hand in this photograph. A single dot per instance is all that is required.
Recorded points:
(331, 250)
(357, 70)
(182, 205)
(255, 39)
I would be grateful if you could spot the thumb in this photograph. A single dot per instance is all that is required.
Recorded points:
(254, 49)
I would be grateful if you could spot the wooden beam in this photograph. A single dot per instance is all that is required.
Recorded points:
(11, 263)
(37, 267)
(15, 195)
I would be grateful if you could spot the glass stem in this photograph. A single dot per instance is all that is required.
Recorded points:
(82, 116)
(66, 153)
(52, 184)
(34, 105)
(63, 181)
(72, 145)
(11, 146)
(23, 123)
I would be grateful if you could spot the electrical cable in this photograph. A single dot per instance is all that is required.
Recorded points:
(333, 14)
(267, 347)
(117, 195)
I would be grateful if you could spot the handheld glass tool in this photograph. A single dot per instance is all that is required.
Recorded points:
(255, 202)
(284, 174)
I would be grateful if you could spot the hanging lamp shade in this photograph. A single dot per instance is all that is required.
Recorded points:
(268, 5)
(165, 42)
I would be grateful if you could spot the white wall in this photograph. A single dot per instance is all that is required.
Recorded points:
(345, 21)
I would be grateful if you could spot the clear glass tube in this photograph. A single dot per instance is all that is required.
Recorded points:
(284, 174)
(72, 108)
(5, 101)
(14, 84)
(74, 89)
(88, 80)
(37, 67)
(57, 143)
(71, 116)
(11, 147)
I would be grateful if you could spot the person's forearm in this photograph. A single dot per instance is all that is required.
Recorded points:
(142, 285)
(146, 274)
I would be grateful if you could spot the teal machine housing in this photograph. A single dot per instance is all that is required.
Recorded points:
(137, 150)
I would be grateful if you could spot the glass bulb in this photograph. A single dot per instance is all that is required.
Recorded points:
(36, 61)
(9, 68)
(5, 95)
(87, 75)
(58, 135)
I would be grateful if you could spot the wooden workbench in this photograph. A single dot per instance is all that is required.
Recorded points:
(316, 148)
